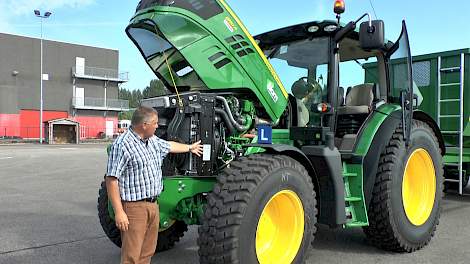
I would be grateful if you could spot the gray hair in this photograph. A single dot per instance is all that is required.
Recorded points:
(143, 114)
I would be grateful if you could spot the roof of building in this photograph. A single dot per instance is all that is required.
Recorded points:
(63, 42)
(62, 121)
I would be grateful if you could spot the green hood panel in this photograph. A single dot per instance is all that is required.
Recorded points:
(205, 52)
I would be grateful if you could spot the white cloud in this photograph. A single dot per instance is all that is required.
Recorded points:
(21, 7)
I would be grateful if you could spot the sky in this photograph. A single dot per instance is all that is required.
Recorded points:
(432, 25)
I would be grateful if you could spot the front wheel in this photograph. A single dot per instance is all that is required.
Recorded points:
(406, 200)
(262, 210)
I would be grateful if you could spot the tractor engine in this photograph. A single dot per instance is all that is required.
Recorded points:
(209, 117)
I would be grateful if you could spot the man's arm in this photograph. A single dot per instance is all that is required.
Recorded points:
(112, 186)
(195, 148)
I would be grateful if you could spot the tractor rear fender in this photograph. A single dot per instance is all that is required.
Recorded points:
(371, 159)
(422, 116)
(330, 193)
(381, 138)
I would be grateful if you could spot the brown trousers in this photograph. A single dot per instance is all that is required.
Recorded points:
(140, 240)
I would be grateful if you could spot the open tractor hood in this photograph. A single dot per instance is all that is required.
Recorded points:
(202, 45)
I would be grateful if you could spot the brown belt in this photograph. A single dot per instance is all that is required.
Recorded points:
(150, 200)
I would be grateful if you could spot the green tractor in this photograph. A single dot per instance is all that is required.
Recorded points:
(275, 164)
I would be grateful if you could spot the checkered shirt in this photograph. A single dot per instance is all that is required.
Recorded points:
(137, 165)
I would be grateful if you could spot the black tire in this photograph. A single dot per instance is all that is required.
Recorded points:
(453, 173)
(107, 223)
(467, 176)
(389, 227)
(230, 220)
(166, 238)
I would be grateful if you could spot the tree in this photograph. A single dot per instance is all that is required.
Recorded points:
(133, 97)
(155, 88)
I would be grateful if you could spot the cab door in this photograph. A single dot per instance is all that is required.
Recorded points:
(401, 79)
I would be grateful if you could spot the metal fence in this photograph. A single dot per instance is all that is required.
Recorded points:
(101, 73)
(117, 103)
(100, 102)
(86, 132)
(19, 132)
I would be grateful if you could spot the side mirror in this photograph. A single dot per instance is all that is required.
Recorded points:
(372, 37)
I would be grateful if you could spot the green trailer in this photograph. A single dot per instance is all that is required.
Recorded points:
(444, 83)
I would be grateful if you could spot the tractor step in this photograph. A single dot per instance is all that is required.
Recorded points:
(356, 212)
(451, 180)
(349, 174)
(357, 224)
(353, 199)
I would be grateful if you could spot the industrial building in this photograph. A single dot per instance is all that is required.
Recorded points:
(80, 83)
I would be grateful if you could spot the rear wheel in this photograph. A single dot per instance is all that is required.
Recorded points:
(406, 202)
(166, 237)
(262, 210)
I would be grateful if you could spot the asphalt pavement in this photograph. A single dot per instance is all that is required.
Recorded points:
(48, 215)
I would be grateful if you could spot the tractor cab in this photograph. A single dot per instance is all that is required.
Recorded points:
(324, 64)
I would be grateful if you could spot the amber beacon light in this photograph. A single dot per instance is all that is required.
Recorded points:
(339, 7)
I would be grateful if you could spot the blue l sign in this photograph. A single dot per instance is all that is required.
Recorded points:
(265, 134)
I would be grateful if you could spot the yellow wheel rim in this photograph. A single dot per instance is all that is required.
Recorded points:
(419, 187)
(280, 229)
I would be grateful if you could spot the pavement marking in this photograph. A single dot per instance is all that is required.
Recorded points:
(53, 244)
(4, 158)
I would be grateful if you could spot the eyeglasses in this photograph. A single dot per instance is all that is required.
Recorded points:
(154, 122)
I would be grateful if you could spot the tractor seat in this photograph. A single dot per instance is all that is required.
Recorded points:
(358, 100)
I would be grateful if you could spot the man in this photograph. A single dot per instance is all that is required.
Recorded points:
(134, 181)
(310, 92)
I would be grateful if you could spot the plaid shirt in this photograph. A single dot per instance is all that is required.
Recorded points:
(137, 165)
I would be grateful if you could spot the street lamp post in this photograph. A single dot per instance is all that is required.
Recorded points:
(46, 15)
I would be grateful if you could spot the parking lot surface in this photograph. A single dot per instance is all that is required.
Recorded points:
(48, 215)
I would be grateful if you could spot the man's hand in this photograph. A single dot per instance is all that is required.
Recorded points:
(122, 223)
(196, 148)
(112, 185)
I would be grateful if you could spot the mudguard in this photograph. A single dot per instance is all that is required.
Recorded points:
(384, 131)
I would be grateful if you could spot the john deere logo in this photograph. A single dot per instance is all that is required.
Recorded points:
(229, 24)
(271, 91)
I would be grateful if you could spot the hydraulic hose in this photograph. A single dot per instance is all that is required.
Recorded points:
(221, 112)
(231, 120)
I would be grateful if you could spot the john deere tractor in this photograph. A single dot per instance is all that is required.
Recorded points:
(334, 150)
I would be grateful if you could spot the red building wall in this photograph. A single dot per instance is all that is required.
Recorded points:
(26, 124)
(94, 126)
(29, 120)
(9, 125)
